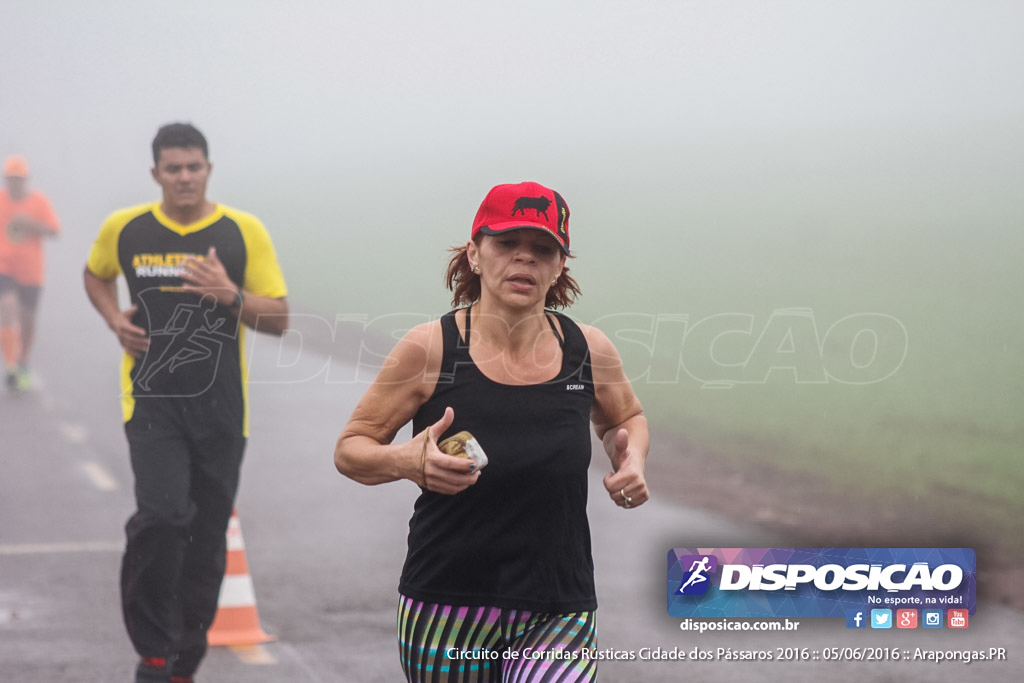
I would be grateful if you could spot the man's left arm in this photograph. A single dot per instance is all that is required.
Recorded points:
(208, 277)
(262, 313)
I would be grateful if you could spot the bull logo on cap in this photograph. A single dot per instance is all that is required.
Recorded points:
(538, 204)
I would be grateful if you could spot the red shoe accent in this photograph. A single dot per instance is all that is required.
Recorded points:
(181, 679)
(155, 662)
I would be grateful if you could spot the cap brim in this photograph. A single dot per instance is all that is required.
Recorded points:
(498, 228)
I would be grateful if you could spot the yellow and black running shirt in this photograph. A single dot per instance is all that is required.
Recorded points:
(196, 346)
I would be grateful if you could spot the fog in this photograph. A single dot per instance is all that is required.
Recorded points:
(340, 123)
(718, 157)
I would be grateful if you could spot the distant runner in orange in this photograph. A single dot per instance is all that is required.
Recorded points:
(26, 218)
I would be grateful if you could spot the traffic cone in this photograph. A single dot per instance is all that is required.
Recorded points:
(236, 621)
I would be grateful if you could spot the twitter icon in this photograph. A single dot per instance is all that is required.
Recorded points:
(881, 618)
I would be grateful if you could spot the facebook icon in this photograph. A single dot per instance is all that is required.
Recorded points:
(856, 618)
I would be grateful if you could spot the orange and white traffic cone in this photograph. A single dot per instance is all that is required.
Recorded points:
(236, 621)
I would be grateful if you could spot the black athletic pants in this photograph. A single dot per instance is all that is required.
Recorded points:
(186, 463)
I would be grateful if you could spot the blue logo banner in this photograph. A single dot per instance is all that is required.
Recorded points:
(818, 582)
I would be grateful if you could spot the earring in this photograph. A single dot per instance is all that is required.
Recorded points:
(476, 270)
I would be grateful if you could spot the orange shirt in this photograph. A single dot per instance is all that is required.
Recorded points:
(21, 258)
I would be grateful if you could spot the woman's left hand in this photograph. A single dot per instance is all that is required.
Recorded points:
(626, 485)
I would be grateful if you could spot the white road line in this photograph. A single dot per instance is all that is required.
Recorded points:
(99, 476)
(73, 432)
(293, 653)
(67, 547)
(253, 654)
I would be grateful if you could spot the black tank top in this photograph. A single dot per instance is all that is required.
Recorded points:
(519, 538)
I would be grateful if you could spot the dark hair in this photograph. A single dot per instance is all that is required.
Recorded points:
(183, 135)
(465, 284)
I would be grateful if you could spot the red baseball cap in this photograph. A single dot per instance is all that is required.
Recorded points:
(524, 205)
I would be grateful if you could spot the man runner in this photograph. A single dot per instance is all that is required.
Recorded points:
(26, 219)
(198, 273)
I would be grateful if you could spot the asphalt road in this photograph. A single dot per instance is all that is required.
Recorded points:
(324, 552)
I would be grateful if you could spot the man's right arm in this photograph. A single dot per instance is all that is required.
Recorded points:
(103, 295)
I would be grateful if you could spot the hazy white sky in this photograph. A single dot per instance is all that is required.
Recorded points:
(369, 111)
(407, 79)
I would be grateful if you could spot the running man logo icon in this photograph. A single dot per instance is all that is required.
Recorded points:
(696, 581)
(194, 333)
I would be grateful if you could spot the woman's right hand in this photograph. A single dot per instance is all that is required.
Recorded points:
(440, 472)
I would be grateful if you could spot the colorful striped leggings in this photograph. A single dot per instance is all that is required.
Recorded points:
(448, 644)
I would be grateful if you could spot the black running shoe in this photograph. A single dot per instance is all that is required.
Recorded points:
(153, 670)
